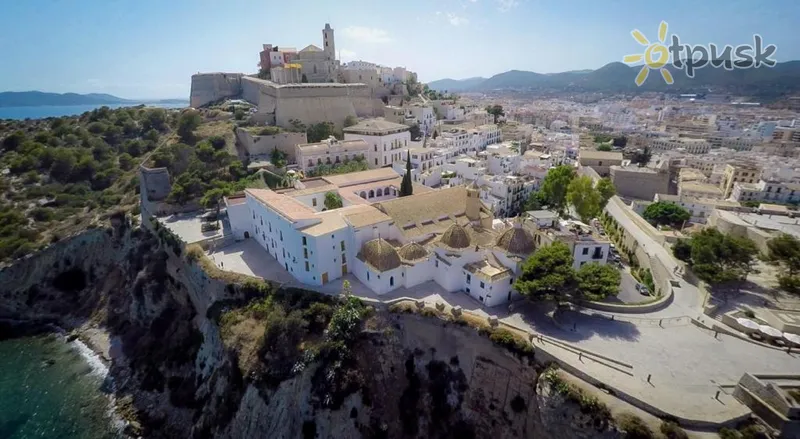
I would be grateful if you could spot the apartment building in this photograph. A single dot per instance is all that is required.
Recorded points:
(766, 192)
(600, 161)
(691, 146)
(740, 172)
(329, 152)
(387, 140)
(586, 245)
(786, 134)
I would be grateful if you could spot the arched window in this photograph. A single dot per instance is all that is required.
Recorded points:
(363, 194)
(386, 191)
(380, 192)
(391, 281)
(371, 193)
(328, 160)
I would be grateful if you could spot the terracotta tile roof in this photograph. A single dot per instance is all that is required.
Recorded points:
(376, 127)
(353, 178)
(364, 215)
(426, 213)
(287, 207)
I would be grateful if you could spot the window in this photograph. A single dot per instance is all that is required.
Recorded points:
(262, 221)
(281, 235)
(368, 275)
(270, 227)
(314, 202)
(304, 241)
(371, 194)
(307, 266)
(341, 245)
(344, 258)
(483, 285)
(511, 281)
(586, 251)
(469, 279)
(437, 263)
(305, 253)
(391, 281)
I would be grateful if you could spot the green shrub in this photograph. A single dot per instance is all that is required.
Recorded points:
(634, 427)
(729, 433)
(672, 430)
(510, 341)
(790, 284)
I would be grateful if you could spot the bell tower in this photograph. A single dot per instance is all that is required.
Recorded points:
(328, 44)
(473, 209)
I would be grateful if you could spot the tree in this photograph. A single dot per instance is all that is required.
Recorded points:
(13, 140)
(666, 213)
(642, 157)
(582, 195)
(125, 161)
(535, 201)
(603, 147)
(415, 132)
(187, 123)
(606, 189)
(682, 250)
(784, 251)
(278, 158)
(320, 131)
(496, 111)
(718, 258)
(333, 200)
(406, 188)
(350, 120)
(620, 141)
(596, 281)
(213, 197)
(554, 186)
(547, 273)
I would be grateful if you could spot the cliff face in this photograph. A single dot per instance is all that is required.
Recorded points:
(174, 376)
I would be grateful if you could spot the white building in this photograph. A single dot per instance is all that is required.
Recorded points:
(445, 236)
(386, 140)
(329, 152)
(425, 117)
(699, 208)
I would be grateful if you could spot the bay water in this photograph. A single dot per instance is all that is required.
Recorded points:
(53, 389)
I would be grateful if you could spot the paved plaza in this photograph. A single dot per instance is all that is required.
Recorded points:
(187, 226)
(686, 364)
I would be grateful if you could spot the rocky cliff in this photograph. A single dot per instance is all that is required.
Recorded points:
(183, 366)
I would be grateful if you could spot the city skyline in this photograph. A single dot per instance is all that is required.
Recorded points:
(148, 50)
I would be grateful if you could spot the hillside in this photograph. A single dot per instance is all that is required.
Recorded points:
(784, 78)
(455, 84)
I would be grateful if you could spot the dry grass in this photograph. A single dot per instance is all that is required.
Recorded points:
(243, 335)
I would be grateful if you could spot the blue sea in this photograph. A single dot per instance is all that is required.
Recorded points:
(53, 389)
(21, 113)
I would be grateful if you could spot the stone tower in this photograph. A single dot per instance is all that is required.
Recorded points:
(473, 210)
(329, 46)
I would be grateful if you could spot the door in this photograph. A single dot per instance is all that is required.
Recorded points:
(344, 269)
(324, 278)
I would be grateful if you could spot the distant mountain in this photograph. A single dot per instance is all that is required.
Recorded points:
(782, 79)
(42, 99)
(455, 84)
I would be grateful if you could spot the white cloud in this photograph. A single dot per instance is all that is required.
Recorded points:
(506, 5)
(456, 20)
(367, 34)
(347, 54)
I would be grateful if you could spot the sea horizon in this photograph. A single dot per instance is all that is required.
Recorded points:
(45, 111)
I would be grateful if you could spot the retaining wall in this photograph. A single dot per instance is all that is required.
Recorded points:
(264, 145)
(210, 87)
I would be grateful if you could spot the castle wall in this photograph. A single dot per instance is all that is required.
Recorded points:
(263, 145)
(210, 87)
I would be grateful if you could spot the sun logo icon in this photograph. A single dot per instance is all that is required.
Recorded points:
(655, 57)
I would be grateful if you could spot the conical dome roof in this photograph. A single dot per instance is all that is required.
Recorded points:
(516, 240)
(455, 237)
(413, 252)
(379, 254)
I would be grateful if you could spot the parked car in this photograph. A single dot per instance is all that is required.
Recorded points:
(642, 289)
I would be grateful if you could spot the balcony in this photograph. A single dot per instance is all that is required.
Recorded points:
(598, 255)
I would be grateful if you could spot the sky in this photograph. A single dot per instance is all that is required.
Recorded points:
(143, 49)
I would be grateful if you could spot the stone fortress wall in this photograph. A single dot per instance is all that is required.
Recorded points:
(309, 102)
(210, 87)
(263, 145)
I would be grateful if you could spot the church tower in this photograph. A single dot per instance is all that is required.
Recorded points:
(329, 47)
(473, 210)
